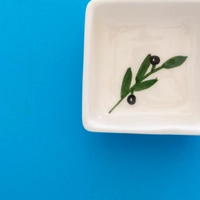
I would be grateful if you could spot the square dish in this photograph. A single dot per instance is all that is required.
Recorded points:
(119, 35)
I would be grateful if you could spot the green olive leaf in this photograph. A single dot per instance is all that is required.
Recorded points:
(145, 84)
(143, 68)
(126, 83)
(174, 62)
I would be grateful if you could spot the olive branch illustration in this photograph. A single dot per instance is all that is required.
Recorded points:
(142, 74)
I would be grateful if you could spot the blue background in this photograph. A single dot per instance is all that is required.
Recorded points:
(45, 153)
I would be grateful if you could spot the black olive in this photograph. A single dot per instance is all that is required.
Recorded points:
(154, 60)
(131, 99)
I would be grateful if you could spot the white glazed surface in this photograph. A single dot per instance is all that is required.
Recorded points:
(118, 35)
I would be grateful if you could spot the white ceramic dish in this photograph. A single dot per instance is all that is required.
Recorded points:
(119, 34)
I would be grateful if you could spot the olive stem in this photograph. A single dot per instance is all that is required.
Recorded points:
(150, 73)
(153, 67)
(116, 104)
(131, 90)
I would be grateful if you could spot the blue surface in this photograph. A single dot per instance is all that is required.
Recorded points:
(45, 153)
